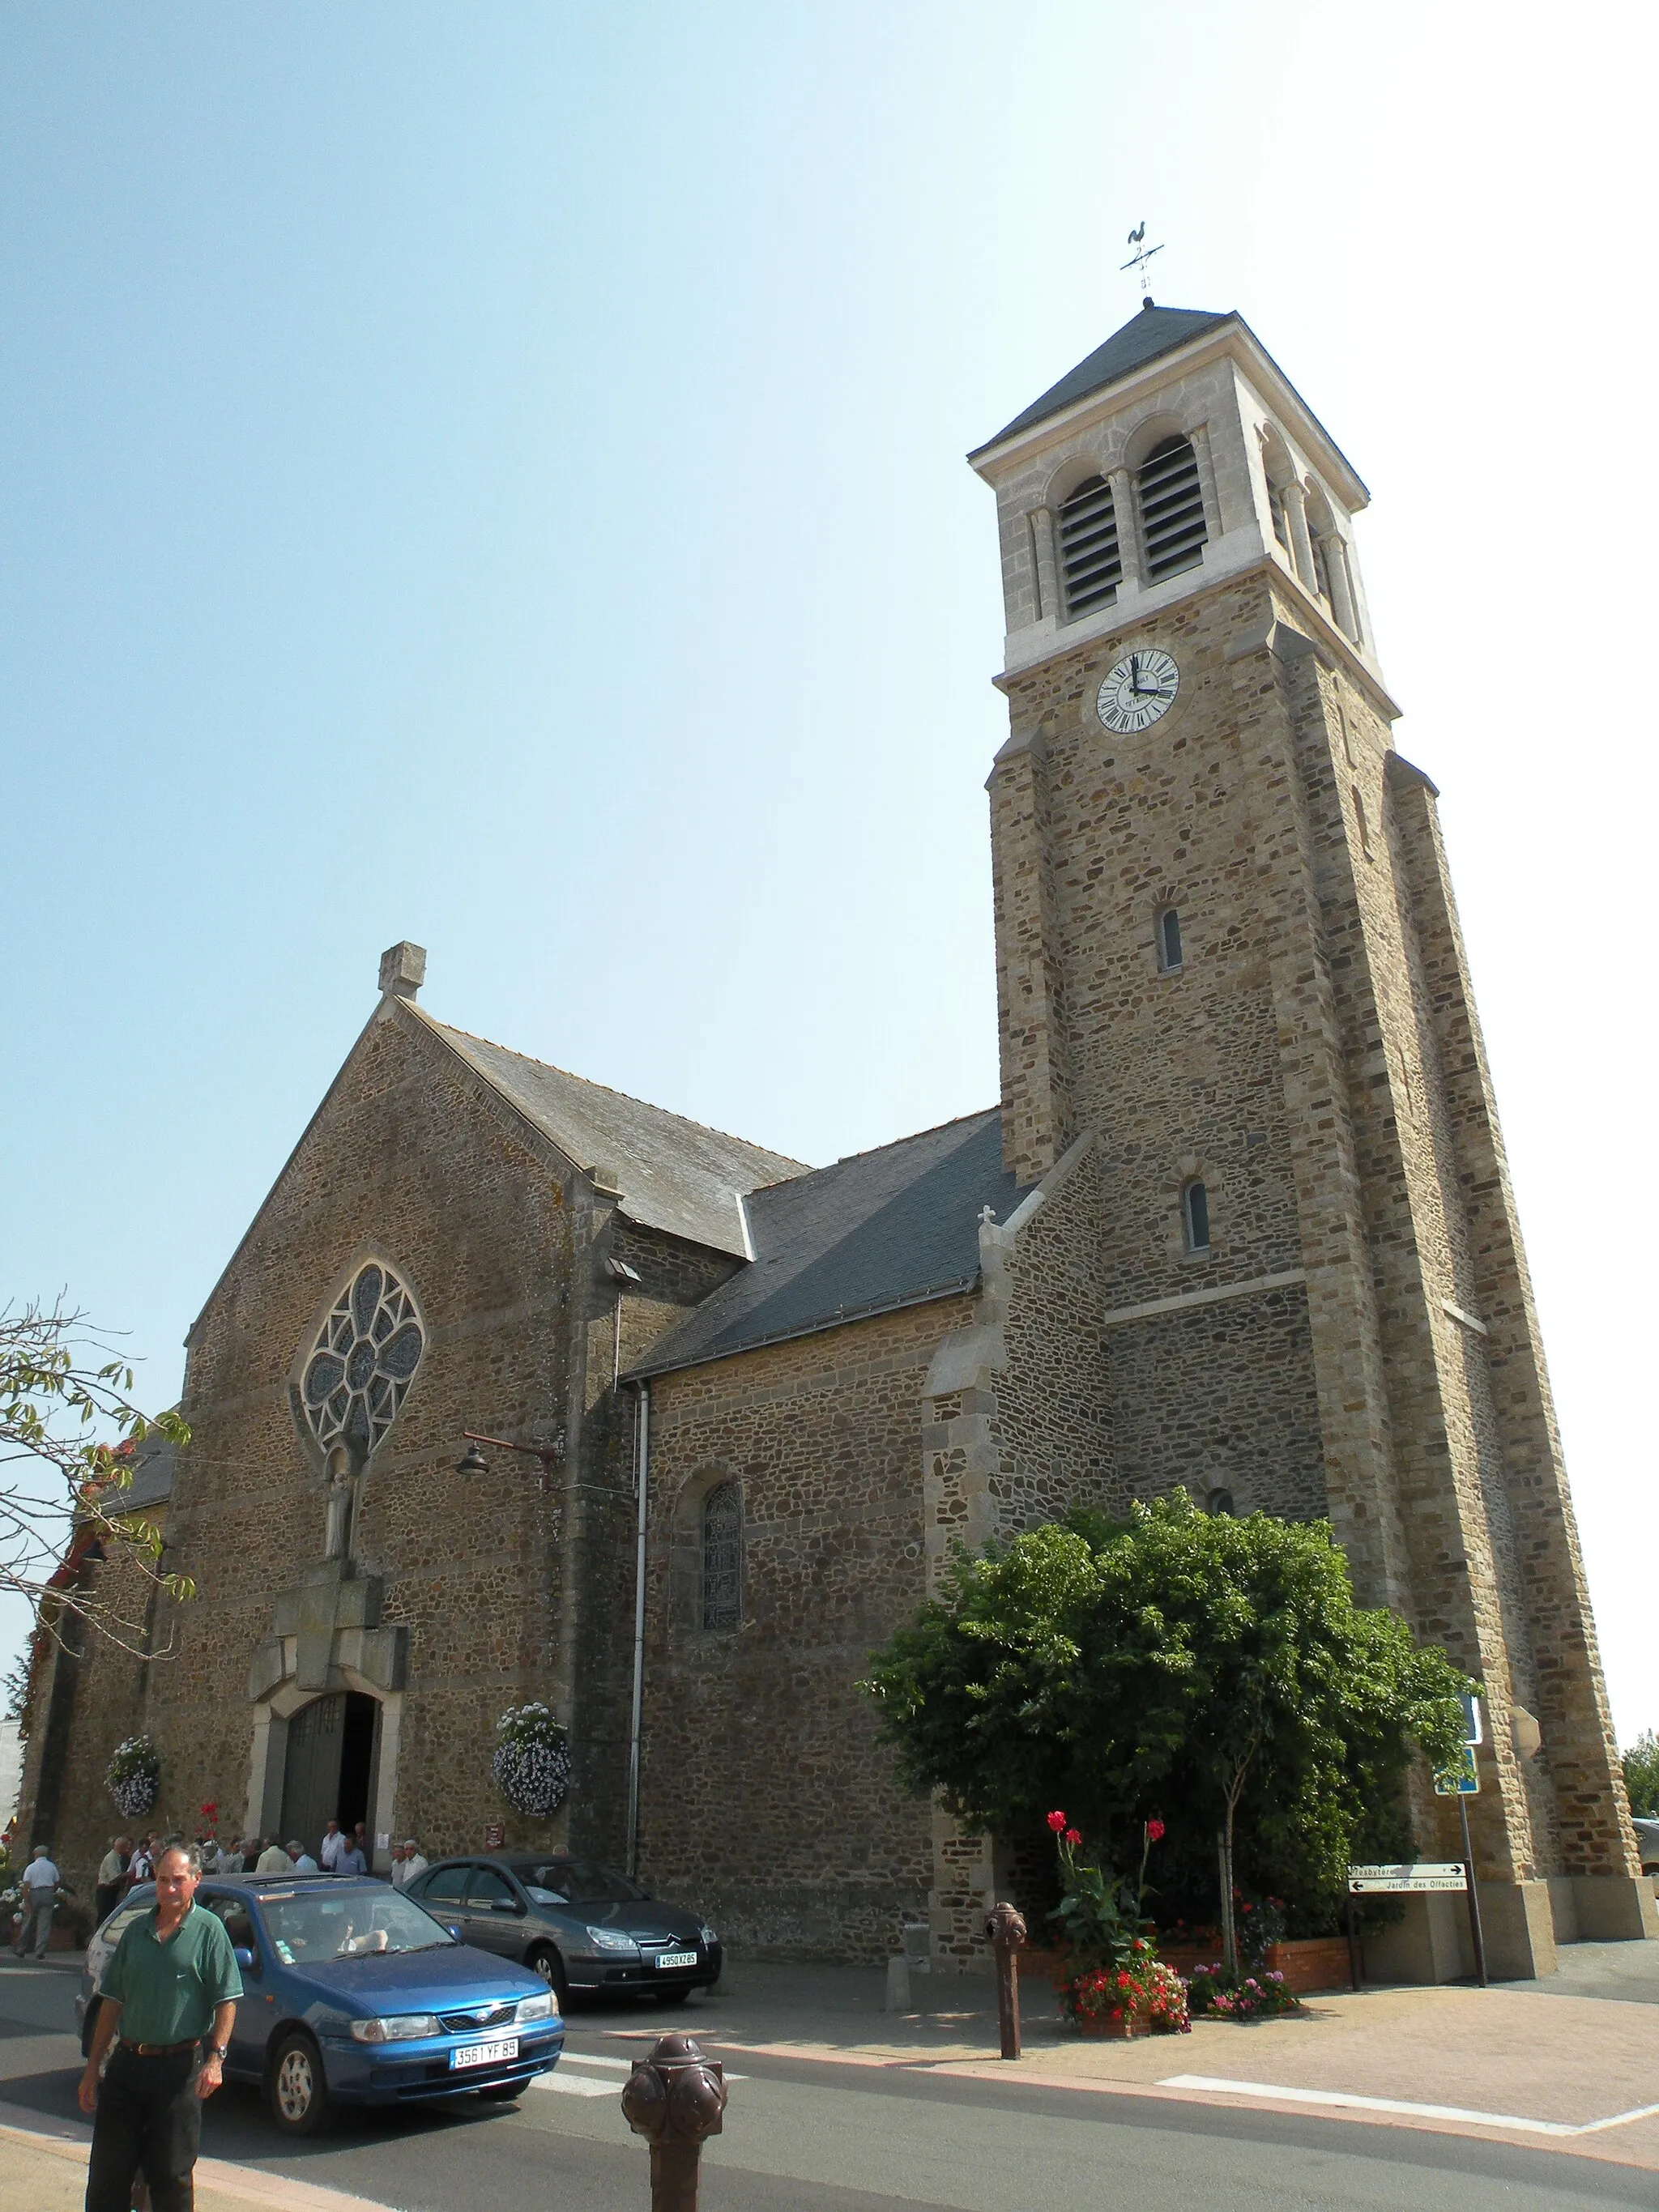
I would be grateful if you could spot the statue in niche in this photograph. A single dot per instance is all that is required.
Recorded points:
(342, 1497)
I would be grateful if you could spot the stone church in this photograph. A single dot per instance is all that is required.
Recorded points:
(517, 1387)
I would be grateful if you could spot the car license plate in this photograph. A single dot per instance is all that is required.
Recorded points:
(485, 2054)
(677, 1958)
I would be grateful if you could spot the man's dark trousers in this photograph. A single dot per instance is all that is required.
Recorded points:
(149, 2115)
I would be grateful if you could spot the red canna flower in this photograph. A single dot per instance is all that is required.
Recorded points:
(1073, 1836)
(1056, 1821)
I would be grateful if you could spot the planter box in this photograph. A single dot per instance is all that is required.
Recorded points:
(1116, 2031)
(1312, 1962)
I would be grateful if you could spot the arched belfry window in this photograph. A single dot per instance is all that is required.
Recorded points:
(1195, 1217)
(1168, 941)
(722, 1557)
(1171, 509)
(1089, 563)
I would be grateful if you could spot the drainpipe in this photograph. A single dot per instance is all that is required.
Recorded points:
(641, 1484)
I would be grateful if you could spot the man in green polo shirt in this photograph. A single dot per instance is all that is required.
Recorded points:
(168, 2000)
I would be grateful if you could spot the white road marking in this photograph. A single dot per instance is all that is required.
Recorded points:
(1398, 2105)
(612, 2065)
(570, 2085)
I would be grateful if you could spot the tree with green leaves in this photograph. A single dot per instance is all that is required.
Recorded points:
(1641, 1765)
(68, 1432)
(1212, 1671)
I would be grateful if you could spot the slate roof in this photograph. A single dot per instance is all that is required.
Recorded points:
(153, 1464)
(673, 1173)
(1153, 331)
(881, 1230)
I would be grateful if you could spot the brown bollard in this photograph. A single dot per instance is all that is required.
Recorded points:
(675, 2098)
(1007, 1930)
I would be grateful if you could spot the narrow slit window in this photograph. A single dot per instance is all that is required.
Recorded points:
(1365, 826)
(1168, 941)
(1090, 565)
(722, 1557)
(1172, 508)
(1196, 1215)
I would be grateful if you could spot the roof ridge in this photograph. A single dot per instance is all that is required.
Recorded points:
(728, 1136)
(892, 1145)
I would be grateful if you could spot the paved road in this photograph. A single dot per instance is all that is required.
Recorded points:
(808, 2136)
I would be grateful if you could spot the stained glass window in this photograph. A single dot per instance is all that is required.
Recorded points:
(363, 1361)
(722, 1558)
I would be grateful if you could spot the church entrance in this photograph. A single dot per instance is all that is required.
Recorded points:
(329, 1771)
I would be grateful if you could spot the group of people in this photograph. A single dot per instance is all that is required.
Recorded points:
(127, 1863)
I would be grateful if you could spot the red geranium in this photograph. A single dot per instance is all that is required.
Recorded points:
(1056, 1821)
(1154, 1831)
(1074, 1837)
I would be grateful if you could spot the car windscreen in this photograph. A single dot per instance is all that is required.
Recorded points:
(574, 1881)
(348, 1925)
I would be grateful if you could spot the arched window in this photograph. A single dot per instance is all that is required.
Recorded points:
(1195, 1217)
(1221, 1501)
(1168, 941)
(722, 1557)
(1089, 563)
(1171, 509)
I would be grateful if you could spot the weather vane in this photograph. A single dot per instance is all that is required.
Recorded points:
(1143, 254)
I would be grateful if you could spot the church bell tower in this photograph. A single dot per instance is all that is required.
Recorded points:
(1227, 947)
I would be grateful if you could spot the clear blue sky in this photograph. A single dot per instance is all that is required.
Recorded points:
(494, 476)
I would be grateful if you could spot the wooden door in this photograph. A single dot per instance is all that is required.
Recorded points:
(311, 1773)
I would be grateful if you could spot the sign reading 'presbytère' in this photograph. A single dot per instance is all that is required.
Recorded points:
(1398, 1881)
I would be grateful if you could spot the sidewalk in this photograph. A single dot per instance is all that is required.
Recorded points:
(44, 2169)
(1519, 2064)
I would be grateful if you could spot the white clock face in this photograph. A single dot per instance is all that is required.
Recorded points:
(1141, 688)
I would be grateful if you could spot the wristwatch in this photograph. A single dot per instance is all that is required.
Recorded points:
(216, 2051)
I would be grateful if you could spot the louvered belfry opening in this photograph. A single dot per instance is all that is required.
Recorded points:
(1089, 558)
(1171, 509)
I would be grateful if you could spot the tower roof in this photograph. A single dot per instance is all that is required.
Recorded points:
(1153, 331)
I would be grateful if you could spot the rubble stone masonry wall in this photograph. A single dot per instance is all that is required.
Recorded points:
(764, 1793)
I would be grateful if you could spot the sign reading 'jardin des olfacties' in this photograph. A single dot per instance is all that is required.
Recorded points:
(1407, 1880)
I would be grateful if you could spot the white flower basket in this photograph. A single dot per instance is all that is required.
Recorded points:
(532, 1765)
(133, 1777)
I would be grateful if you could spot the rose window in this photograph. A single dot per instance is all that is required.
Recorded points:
(363, 1361)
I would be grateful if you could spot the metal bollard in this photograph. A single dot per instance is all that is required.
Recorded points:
(675, 2098)
(1006, 1928)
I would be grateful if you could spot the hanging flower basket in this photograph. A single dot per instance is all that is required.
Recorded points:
(532, 1765)
(133, 1777)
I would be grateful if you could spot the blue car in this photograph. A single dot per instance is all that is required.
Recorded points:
(352, 1993)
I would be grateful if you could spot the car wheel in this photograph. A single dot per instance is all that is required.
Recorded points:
(498, 2092)
(297, 2088)
(545, 1961)
(670, 1996)
(88, 2026)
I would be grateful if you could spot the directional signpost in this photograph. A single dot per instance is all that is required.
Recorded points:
(1463, 1782)
(1417, 1878)
(1410, 1879)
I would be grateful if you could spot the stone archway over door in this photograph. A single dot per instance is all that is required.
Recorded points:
(329, 1764)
